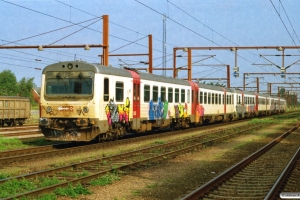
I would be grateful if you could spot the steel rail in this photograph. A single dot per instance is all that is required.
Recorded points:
(39, 152)
(273, 193)
(205, 189)
(114, 158)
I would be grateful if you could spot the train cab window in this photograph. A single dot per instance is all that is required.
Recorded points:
(213, 98)
(205, 98)
(201, 97)
(220, 101)
(163, 94)
(155, 94)
(119, 91)
(106, 89)
(170, 95)
(176, 95)
(182, 95)
(188, 96)
(146, 93)
(239, 100)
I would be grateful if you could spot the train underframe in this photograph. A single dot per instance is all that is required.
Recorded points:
(12, 122)
(84, 130)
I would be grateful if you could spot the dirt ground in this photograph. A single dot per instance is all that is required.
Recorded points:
(174, 178)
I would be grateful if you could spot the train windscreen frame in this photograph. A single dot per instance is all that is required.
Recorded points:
(69, 85)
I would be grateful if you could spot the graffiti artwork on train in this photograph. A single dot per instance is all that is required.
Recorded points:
(117, 112)
(158, 110)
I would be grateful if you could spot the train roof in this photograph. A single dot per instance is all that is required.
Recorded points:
(109, 70)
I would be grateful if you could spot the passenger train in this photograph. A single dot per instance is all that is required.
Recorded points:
(83, 101)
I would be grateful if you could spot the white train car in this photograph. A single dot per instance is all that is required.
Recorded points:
(82, 101)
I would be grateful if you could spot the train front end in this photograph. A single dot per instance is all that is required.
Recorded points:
(67, 107)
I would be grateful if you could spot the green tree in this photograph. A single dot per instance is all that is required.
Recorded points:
(25, 86)
(8, 83)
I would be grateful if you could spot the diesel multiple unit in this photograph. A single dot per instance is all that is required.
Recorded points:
(82, 101)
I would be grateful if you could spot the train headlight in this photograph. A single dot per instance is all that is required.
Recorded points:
(85, 109)
(48, 109)
(70, 66)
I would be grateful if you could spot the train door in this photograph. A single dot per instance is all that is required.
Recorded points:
(256, 103)
(136, 106)
(224, 101)
(194, 103)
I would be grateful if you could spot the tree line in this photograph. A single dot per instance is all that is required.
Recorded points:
(9, 86)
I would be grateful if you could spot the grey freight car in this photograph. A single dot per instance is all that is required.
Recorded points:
(14, 110)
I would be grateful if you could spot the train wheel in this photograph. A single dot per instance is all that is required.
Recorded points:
(8, 123)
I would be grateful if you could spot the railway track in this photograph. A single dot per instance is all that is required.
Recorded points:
(84, 172)
(21, 132)
(289, 181)
(61, 149)
(251, 178)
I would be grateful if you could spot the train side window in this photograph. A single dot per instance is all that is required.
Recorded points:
(146, 93)
(119, 91)
(155, 94)
(106, 89)
(182, 95)
(205, 98)
(170, 95)
(163, 94)
(239, 101)
(201, 97)
(188, 96)
(216, 98)
(223, 99)
(176, 95)
(230, 101)
(208, 98)
(220, 100)
(213, 98)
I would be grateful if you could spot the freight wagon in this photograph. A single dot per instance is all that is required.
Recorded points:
(14, 110)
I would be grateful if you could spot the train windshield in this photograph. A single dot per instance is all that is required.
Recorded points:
(69, 87)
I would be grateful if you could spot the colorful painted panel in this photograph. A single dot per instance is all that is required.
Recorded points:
(158, 110)
(117, 112)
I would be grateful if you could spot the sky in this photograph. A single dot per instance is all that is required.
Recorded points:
(188, 23)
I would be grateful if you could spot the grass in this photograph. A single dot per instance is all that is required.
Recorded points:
(14, 186)
(72, 191)
(105, 180)
(10, 143)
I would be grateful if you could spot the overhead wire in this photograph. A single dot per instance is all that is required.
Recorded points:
(283, 23)
(40, 34)
(289, 20)
(75, 31)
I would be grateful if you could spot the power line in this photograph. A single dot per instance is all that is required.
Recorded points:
(47, 32)
(21, 66)
(76, 31)
(289, 20)
(283, 23)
